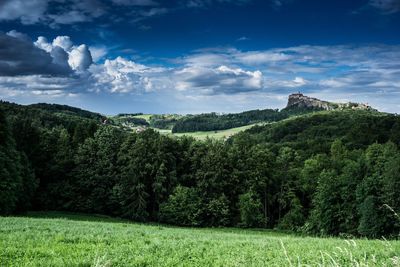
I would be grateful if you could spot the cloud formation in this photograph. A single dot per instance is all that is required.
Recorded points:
(18, 56)
(61, 68)
(218, 80)
(78, 58)
(67, 12)
(386, 6)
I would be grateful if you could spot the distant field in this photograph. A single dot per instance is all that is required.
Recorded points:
(79, 240)
(211, 134)
(144, 116)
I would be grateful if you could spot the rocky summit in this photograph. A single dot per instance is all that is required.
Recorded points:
(298, 100)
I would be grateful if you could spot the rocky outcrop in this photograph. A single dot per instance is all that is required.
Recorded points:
(299, 100)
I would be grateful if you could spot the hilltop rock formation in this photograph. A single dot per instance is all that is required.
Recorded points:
(299, 100)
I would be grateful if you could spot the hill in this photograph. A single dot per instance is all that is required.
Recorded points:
(324, 172)
(64, 109)
(298, 104)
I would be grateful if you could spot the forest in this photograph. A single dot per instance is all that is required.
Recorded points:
(214, 121)
(322, 173)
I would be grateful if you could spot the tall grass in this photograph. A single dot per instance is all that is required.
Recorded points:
(72, 240)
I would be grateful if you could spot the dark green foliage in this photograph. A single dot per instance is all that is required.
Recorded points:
(327, 173)
(96, 171)
(128, 120)
(250, 208)
(164, 121)
(213, 121)
(17, 181)
(55, 108)
(370, 222)
(183, 207)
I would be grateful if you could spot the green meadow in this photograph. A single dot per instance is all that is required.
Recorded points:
(144, 116)
(202, 135)
(63, 239)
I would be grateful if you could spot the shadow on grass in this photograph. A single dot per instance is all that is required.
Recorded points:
(75, 216)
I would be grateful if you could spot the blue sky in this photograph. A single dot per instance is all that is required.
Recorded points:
(193, 56)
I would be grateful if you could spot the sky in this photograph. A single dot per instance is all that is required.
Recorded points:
(196, 56)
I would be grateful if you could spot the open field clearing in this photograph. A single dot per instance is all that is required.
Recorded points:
(144, 116)
(202, 135)
(77, 240)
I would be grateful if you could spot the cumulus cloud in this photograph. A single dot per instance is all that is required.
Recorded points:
(60, 67)
(18, 56)
(43, 44)
(64, 42)
(122, 76)
(80, 58)
(98, 52)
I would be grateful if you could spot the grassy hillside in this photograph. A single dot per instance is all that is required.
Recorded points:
(78, 240)
(202, 135)
(144, 116)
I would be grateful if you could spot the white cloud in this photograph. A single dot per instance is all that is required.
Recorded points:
(257, 57)
(124, 76)
(98, 52)
(42, 43)
(332, 71)
(296, 82)
(80, 58)
(64, 42)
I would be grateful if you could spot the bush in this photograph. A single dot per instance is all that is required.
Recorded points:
(183, 207)
(250, 210)
(217, 212)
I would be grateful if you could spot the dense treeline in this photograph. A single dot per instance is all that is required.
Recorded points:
(214, 122)
(325, 173)
(127, 121)
(56, 108)
(164, 121)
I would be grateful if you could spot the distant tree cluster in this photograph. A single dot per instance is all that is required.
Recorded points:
(128, 120)
(327, 173)
(214, 121)
(164, 121)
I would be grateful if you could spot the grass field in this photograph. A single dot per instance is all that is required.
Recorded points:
(222, 134)
(144, 116)
(56, 239)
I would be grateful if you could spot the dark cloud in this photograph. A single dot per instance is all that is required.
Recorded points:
(61, 12)
(219, 80)
(135, 2)
(19, 56)
(28, 12)
(386, 6)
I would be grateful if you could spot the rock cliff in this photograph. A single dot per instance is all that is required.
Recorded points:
(299, 100)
